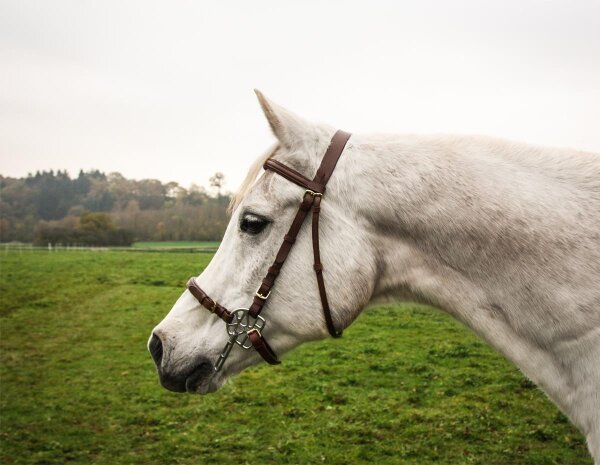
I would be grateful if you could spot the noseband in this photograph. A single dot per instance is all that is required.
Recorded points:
(244, 325)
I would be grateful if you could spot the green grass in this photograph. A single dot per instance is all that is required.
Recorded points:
(175, 244)
(405, 385)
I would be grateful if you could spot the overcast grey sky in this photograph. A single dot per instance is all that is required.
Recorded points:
(164, 89)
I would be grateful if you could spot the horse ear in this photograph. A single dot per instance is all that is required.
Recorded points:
(290, 129)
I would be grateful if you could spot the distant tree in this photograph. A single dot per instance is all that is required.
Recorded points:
(196, 195)
(99, 198)
(91, 228)
(50, 206)
(54, 195)
(82, 183)
(151, 194)
(95, 221)
(122, 190)
(76, 210)
(217, 181)
(5, 230)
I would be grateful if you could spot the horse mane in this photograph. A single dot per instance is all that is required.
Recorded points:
(248, 181)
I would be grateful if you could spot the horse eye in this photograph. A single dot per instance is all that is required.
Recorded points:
(253, 224)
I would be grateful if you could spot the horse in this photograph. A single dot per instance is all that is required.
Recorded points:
(503, 236)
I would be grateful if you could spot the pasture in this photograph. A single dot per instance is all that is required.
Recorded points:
(405, 385)
(176, 245)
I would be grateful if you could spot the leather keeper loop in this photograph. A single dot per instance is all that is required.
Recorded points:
(264, 289)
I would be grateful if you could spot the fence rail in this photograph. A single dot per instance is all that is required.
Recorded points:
(21, 248)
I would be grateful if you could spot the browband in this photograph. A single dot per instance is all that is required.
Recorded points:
(292, 175)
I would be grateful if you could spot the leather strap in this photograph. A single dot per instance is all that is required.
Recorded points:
(262, 347)
(318, 267)
(331, 157)
(207, 302)
(292, 175)
(286, 246)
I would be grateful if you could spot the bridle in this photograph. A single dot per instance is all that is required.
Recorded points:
(244, 325)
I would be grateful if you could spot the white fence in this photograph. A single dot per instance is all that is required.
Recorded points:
(21, 248)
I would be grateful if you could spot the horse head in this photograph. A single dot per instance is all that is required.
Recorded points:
(187, 344)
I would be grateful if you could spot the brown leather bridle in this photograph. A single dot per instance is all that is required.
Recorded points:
(244, 325)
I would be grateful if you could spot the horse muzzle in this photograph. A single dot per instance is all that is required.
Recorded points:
(196, 377)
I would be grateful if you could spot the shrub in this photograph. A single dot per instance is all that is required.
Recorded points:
(91, 228)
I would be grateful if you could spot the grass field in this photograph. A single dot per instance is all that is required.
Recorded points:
(175, 245)
(405, 385)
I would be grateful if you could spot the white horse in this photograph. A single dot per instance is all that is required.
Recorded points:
(505, 237)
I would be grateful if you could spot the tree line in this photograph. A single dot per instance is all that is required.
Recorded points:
(95, 208)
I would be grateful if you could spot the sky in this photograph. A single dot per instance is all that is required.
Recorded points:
(164, 89)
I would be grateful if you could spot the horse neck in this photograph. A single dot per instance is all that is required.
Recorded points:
(463, 225)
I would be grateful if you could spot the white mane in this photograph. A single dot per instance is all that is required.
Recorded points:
(248, 182)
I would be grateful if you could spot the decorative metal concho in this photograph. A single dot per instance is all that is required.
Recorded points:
(237, 330)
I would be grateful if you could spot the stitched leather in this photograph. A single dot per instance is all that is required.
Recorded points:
(331, 157)
(263, 348)
(318, 267)
(282, 254)
(207, 302)
(293, 175)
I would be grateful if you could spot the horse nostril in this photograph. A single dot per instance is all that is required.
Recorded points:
(156, 349)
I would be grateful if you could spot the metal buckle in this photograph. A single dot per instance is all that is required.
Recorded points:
(313, 193)
(260, 296)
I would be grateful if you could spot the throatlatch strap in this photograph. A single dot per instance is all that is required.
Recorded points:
(318, 266)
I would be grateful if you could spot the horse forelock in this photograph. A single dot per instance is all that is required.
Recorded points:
(250, 178)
